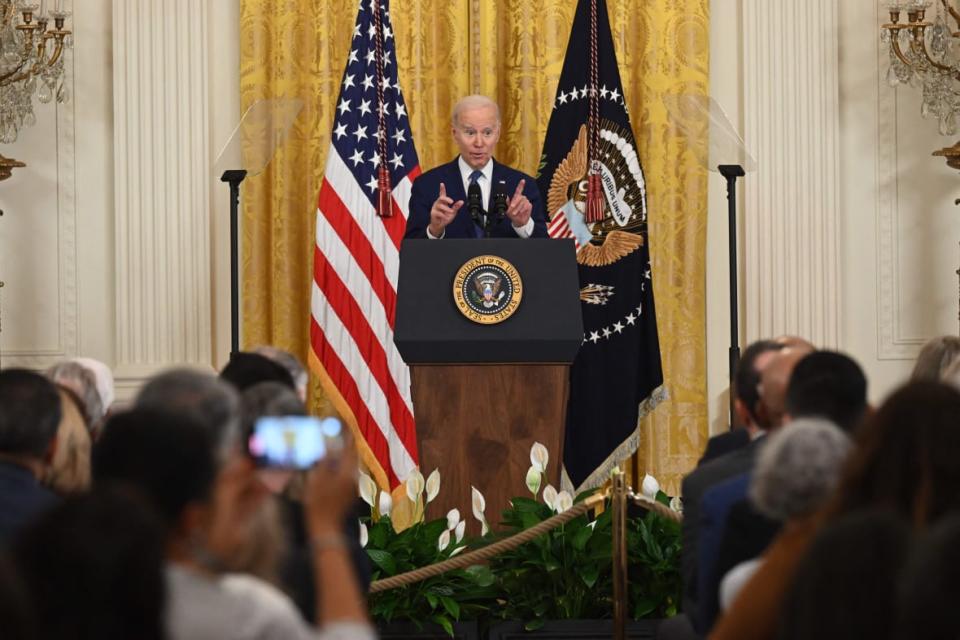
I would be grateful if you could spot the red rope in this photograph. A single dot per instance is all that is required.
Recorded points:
(594, 190)
(384, 204)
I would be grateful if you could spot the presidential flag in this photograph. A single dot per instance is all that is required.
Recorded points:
(361, 215)
(596, 194)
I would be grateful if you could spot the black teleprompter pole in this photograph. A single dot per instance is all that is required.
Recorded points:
(234, 177)
(731, 172)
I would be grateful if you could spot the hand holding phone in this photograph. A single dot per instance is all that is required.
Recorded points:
(295, 442)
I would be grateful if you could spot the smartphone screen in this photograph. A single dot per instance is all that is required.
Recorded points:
(295, 442)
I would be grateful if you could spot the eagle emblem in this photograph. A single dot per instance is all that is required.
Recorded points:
(487, 289)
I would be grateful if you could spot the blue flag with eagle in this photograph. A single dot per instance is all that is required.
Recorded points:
(596, 194)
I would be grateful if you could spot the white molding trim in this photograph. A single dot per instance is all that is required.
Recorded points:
(162, 185)
(792, 280)
(66, 254)
(891, 343)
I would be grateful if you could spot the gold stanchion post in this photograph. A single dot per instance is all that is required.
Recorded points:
(619, 507)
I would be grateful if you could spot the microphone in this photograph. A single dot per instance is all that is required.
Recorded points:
(475, 204)
(499, 204)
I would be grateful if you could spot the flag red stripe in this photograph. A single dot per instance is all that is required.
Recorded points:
(346, 227)
(368, 343)
(348, 389)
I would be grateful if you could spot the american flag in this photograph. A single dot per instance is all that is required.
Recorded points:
(357, 253)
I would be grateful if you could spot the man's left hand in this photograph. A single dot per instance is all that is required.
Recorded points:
(519, 207)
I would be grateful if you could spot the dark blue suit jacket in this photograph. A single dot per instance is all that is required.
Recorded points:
(426, 188)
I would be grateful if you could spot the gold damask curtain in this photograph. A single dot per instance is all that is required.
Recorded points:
(511, 50)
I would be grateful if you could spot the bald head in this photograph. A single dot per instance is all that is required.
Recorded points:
(774, 380)
(794, 342)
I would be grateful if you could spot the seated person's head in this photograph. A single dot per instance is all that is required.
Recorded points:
(905, 457)
(797, 468)
(774, 380)
(82, 382)
(247, 369)
(289, 362)
(93, 568)
(829, 385)
(746, 385)
(208, 401)
(69, 471)
(935, 357)
(29, 415)
(268, 399)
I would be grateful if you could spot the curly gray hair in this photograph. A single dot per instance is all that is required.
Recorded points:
(798, 467)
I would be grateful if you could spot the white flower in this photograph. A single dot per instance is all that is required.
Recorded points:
(444, 541)
(649, 487)
(453, 518)
(363, 535)
(457, 550)
(564, 501)
(592, 525)
(550, 496)
(539, 456)
(479, 503)
(676, 504)
(414, 485)
(534, 476)
(433, 485)
(368, 488)
(386, 503)
(479, 506)
(458, 532)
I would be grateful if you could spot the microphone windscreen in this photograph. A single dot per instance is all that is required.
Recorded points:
(474, 196)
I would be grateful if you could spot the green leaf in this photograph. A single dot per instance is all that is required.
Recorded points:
(432, 599)
(384, 560)
(581, 537)
(481, 575)
(451, 606)
(533, 625)
(589, 575)
(444, 622)
(643, 608)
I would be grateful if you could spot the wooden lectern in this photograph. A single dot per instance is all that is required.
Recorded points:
(484, 393)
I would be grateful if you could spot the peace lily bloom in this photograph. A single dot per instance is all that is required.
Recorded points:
(414, 485)
(433, 485)
(564, 501)
(534, 477)
(676, 504)
(550, 496)
(457, 550)
(461, 528)
(363, 535)
(444, 541)
(386, 503)
(539, 456)
(479, 506)
(368, 488)
(453, 519)
(650, 487)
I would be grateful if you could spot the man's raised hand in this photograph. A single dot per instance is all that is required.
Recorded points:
(442, 213)
(519, 207)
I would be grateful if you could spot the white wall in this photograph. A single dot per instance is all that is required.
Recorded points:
(848, 231)
(114, 240)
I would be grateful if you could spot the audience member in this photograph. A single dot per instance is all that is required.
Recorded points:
(83, 383)
(935, 357)
(247, 369)
(69, 471)
(209, 507)
(29, 415)
(930, 588)
(711, 472)
(829, 385)
(94, 568)
(16, 607)
(795, 470)
(289, 362)
(846, 586)
(904, 460)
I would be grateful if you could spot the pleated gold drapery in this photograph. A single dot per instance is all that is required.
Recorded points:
(511, 50)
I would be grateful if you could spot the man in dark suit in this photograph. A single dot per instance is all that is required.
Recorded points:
(29, 416)
(439, 203)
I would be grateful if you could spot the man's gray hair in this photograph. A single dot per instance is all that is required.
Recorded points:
(82, 381)
(202, 397)
(798, 467)
(475, 101)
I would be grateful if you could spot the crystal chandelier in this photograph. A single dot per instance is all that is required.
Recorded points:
(32, 40)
